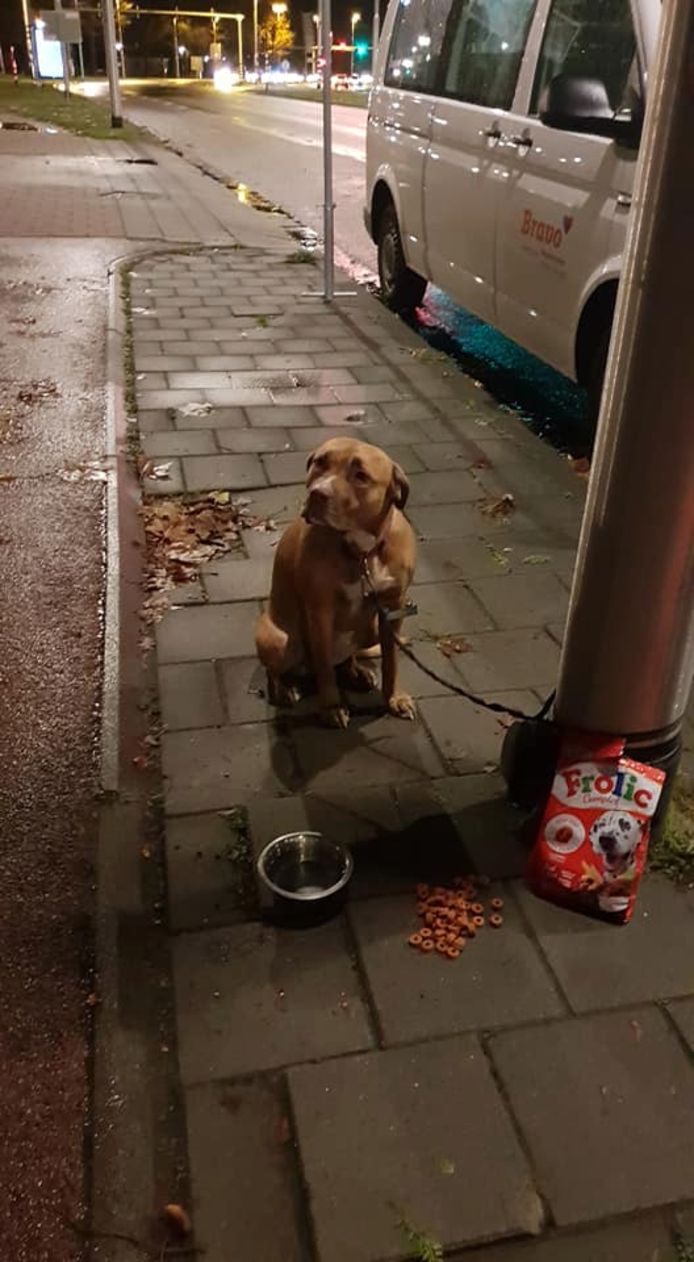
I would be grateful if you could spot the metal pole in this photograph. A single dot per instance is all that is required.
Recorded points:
(255, 35)
(29, 41)
(120, 40)
(109, 27)
(177, 61)
(81, 59)
(239, 21)
(65, 53)
(328, 204)
(376, 35)
(628, 658)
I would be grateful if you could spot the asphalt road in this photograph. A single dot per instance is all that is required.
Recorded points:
(274, 145)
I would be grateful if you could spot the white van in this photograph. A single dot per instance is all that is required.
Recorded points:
(501, 145)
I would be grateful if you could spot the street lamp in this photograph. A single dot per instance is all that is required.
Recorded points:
(356, 17)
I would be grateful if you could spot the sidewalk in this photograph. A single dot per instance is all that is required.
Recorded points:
(345, 1097)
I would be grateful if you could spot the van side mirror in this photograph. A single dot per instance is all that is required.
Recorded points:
(577, 103)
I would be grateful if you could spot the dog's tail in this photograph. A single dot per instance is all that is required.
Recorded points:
(271, 644)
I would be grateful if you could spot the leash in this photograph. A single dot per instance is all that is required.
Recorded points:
(410, 608)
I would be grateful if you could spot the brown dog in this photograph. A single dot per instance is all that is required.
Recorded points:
(346, 562)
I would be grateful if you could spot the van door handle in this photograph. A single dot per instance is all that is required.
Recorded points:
(493, 133)
(523, 142)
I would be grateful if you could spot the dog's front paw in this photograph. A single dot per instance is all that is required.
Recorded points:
(336, 716)
(402, 706)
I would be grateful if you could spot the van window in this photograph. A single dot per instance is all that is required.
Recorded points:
(594, 41)
(415, 46)
(486, 39)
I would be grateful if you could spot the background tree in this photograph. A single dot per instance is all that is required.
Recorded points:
(275, 37)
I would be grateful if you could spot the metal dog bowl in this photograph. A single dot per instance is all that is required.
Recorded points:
(306, 875)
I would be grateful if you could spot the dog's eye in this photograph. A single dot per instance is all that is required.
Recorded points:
(360, 475)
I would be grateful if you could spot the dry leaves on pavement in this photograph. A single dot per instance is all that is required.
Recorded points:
(500, 508)
(450, 645)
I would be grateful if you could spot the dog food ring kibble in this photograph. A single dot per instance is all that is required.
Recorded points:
(477, 908)
(452, 916)
(415, 939)
(495, 920)
(496, 903)
(428, 945)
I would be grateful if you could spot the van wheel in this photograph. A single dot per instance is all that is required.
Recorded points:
(595, 375)
(401, 289)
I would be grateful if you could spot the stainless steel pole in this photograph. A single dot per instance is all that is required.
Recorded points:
(628, 657)
(328, 204)
(109, 27)
(375, 35)
(255, 36)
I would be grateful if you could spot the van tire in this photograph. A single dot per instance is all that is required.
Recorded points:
(401, 289)
(595, 374)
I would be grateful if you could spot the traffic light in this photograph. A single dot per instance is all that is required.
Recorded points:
(361, 49)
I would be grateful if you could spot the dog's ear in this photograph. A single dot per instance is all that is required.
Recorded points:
(309, 460)
(400, 487)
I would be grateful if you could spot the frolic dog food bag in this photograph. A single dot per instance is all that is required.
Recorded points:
(591, 849)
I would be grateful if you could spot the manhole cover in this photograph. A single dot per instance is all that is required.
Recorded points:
(13, 126)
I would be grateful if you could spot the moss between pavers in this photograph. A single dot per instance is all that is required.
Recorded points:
(673, 852)
(80, 115)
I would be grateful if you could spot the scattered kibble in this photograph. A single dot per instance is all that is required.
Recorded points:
(450, 916)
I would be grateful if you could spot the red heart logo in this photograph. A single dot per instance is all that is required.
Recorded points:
(568, 223)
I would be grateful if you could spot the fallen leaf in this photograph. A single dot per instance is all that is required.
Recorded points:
(8, 477)
(92, 1000)
(580, 465)
(36, 391)
(446, 1166)
(498, 557)
(501, 507)
(178, 1219)
(449, 645)
(140, 762)
(195, 409)
(535, 559)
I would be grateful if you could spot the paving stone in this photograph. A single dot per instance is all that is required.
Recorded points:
(238, 397)
(522, 600)
(600, 966)
(280, 503)
(509, 659)
(454, 487)
(288, 467)
(490, 828)
(180, 443)
(499, 980)
(446, 521)
(433, 384)
(154, 399)
(370, 752)
(195, 635)
(620, 1139)
(682, 1012)
(162, 363)
(189, 696)
(253, 440)
(244, 1205)
(645, 1239)
(360, 361)
(358, 395)
(445, 456)
(467, 736)
(445, 560)
(170, 484)
(444, 609)
(291, 362)
(288, 417)
(149, 381)
(237, 579)
(222, 363)
(188, 594)
(252, 998)
(409, 1122)
(214, 769)
(199, 346)
(235, 473)
(305, 346)
(313, 396)
(346, 414)
(205, 884)
(214, 419)
(414, 680)
(244, 687)
(556, 631)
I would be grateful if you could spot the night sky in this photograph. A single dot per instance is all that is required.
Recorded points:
(11, 20)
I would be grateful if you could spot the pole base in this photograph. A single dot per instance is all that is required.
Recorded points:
(529, 758)
(116, 121)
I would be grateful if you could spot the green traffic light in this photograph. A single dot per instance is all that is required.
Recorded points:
(361, 50)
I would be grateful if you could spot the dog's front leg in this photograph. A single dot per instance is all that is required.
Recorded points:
(399, 703)
(320, 637)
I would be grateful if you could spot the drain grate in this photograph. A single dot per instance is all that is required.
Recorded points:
(11, 125)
